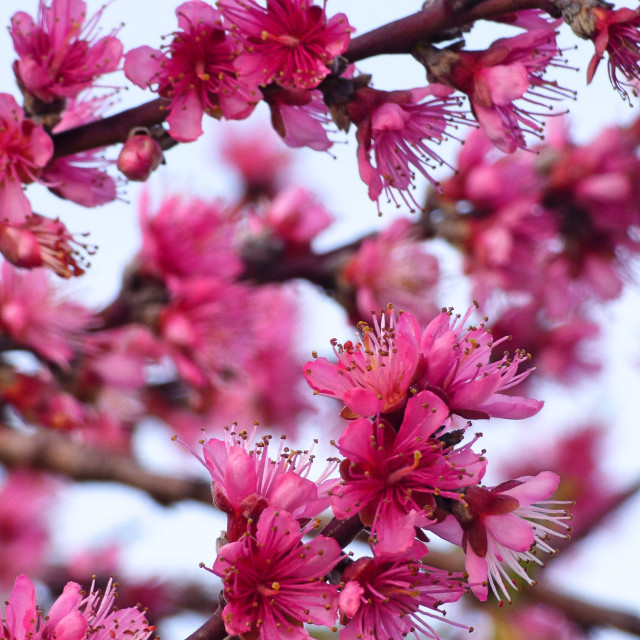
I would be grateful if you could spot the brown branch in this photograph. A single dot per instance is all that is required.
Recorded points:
(213, 628)
(112, 130)
(401, 36)
(53, 452)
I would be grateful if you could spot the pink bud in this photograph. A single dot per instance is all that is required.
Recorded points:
(139, 157)
(20, 247)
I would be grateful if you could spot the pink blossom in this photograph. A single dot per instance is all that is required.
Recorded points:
(295, 217)
(258, 156)
(82, 177)
(60, 54)
(274, 583)
(502, 526)
(31, 315)
(245, 480)
(391, 478)
(187, 237)
(394, 267)
(43, 242)
(398, 130)
(511, 69)
(197, 75)
(25, 148)
(458, 368)
(390, 599)
(617, 33)
(73, 616)
(375, 373)
(40, 401)
(200, 328)
(289, 42)
(378, 374)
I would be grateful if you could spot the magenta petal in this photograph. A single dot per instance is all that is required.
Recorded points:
(21, 614)
(185, 120)
(363, 402)
(506, 82)
(511, 407)
(478, 571)
(534, 489)
(510, 531)
(142, 64)
(240, 479)
(72, 627)
(65, 604)
(474, 392)
(292, 492)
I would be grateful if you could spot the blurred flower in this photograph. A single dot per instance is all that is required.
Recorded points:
(394, 267)
(25, 148)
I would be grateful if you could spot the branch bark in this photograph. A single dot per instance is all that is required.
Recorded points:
(49, 451)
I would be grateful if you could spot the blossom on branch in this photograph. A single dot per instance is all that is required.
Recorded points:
(197, 73)
(397, 130)
(380, 373)
(274, 582)
(390, 599)
(392, 478)
(60, 53)
(500, 527)
(289, 42)
(245, 480)
(510, 69)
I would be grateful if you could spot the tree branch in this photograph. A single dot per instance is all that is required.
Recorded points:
(49, 451)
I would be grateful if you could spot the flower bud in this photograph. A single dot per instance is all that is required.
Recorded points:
(139, 157)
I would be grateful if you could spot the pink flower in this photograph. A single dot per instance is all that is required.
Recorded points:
(202, 330)
(187, 237)
(60, 54)
(458, 368)
(32, 316)
(375, 374)
(617, 33)
(393, 267)
(42, 242)
(289, 42)
(245, 480)
(73, 616)
(511, 69)
(378, 374)
(384, 599)
(274, 583)
(397, 129)
(295, 217)
(197, 74)
(25, 148)
(391, 478)
(504, 525)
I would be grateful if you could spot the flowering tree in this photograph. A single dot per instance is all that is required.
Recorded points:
(406, 515)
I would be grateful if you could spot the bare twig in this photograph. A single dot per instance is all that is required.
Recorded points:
(49, 451)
